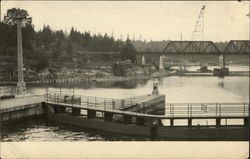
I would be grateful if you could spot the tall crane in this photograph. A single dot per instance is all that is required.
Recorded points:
(198, 33)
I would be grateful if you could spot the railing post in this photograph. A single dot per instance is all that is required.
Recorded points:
(48, 96)
(244, 109)
(87, 102)
(216, 109)
(188, 110)
(170, 110)
(131, 105)
(113, 104)
(173, 110)
(220, 110)
(55, 97)
(105, 104)
(143, 107)
(191, 111)
(95, 102)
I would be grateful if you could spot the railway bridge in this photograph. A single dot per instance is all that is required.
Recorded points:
(187, 48)
(207, 48)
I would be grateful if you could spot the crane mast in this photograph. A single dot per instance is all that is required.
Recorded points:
(198, 33)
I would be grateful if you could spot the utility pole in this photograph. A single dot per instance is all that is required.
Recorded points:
(21, 88)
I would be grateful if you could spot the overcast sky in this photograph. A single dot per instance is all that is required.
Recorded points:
(160, 20)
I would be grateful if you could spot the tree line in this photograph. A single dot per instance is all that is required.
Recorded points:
(44, 47)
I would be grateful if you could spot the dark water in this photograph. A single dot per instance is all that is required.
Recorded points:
(176, 89)
(40, 129)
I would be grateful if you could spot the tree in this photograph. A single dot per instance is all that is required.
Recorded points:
(16, 13)
(128, 51)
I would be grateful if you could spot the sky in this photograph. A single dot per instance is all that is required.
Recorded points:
(150, 20)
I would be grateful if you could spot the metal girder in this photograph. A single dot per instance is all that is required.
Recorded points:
(191, 47)
(238, 47)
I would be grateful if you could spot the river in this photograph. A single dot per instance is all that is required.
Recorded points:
(177, 90)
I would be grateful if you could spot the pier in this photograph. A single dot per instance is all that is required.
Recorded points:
(146, 115)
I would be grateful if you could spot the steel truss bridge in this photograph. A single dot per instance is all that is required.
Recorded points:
(234, 47)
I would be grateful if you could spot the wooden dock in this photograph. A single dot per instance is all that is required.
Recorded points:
(173, 111)
(133, 116)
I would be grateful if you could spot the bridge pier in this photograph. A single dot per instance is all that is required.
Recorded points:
(222, 61)
(91, 114)
(108, 116)
(143, 60)
(139, 121)
(222, 71)
(127, 119)
(161, 63)
(76, 111)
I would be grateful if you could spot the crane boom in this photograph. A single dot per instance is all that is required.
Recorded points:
(198, 33)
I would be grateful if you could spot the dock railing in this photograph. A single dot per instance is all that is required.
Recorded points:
(173, 110)
(206, 109)
(8, 91)
(100, 103)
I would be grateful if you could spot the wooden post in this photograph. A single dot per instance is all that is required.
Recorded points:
(191, 111)
(95, 101)
(220, 110)
(218, 122)
(246, 121)
(189, 122)
(113, 104)
(244, 109)
(127, 119)
(105, 104)
(87, 102)
(216, 109)
(91, 114)
(171, 122)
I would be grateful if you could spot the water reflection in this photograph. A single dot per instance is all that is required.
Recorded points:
(221, 84)
(127, 84)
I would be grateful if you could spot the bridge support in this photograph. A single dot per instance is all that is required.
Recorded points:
(60, 109)
(108, 116)
(171, 122)
(189, 123)
(160, 122)
(161, 63)
(127, 119)
(223, 71)
(76, 111)
(139, 121)
(222, 61)
(91, 114)
(218, 122)
(246, 122)
(143, 60)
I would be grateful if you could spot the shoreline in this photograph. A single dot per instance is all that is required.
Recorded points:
(124, 78)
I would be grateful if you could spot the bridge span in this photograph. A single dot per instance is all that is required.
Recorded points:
(182, 48)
